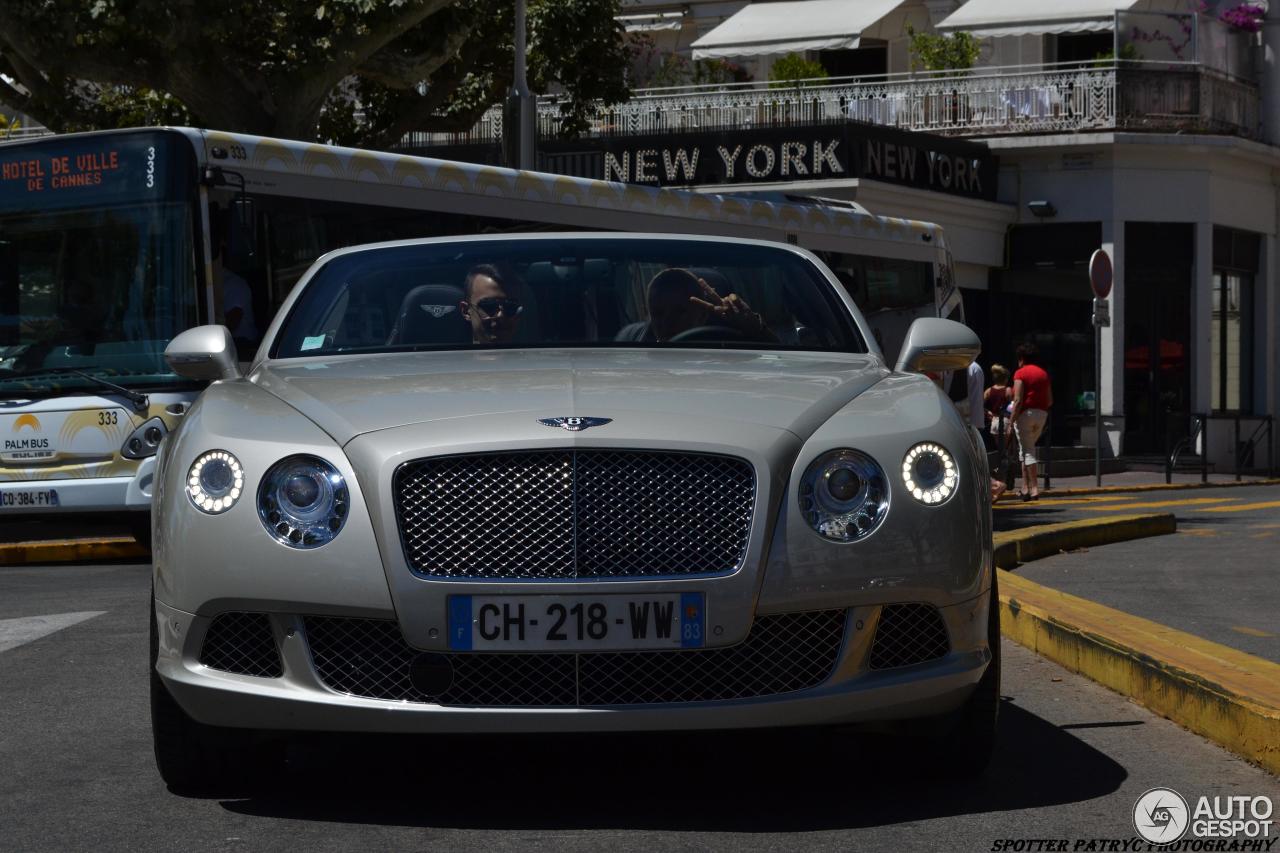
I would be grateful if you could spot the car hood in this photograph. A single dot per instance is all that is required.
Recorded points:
(349, 396)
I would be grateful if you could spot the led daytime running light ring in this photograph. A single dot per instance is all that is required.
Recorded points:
(930, 473)
(210, 500)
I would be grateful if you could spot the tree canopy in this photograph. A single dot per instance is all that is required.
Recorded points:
(358, 72)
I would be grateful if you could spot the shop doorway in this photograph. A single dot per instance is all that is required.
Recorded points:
(1158, 277)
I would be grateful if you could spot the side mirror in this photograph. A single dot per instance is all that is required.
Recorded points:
(938, 345)
(205, 353)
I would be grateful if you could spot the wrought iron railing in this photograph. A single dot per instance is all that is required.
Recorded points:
(1097, 95)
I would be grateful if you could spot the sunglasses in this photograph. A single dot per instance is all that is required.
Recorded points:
(492, 306)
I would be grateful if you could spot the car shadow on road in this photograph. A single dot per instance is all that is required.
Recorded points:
(773, 781)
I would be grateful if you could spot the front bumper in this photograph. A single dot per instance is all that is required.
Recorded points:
(299, 696)
(89, 494)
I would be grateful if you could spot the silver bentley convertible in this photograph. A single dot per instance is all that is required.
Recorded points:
(569, 483)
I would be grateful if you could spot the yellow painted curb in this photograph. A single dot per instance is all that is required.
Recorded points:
(1225, 695)
(1009, 497)
(73, 550)
(1042, 540)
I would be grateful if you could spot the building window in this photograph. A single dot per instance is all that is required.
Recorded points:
(1235, 261)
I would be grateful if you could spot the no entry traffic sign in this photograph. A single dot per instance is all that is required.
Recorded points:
(1100, 273)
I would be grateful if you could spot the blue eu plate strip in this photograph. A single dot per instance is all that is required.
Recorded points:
(460, 623)
(693, 620)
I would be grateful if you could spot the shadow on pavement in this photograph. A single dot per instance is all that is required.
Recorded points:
(759, 782)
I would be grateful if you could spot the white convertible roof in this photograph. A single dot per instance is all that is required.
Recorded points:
(788, 27)
(987, 18)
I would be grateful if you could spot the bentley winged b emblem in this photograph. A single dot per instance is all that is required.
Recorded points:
(574, 424)
(438, 311)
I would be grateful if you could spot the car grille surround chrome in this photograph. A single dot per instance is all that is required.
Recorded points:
(574, 513)
(783, 653)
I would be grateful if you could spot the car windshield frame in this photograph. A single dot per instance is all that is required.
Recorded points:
(789, 286)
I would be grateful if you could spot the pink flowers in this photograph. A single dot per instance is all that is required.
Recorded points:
(1242, 16)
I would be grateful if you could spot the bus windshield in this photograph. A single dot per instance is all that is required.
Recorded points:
(97, 263)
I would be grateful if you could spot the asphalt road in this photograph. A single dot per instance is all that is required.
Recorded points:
(76, 769)
(1218, 577)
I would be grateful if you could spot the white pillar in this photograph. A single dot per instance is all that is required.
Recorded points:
(1270, 74)
(1111, 395)
(1202, 320)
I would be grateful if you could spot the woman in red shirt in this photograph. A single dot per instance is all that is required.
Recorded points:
(1032, 397)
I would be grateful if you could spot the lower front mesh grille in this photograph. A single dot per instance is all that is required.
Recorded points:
(242, 643)
(782, 654)
(907, 634)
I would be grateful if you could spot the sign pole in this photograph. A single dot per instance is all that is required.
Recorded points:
(1100, 279)
(1097, 404)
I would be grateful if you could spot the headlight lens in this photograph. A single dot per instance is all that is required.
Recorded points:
(844, 495)
(145, 440)
(303, 501)
(215, 482)
(930, 473)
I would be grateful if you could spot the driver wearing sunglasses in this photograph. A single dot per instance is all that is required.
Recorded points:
(489, 304)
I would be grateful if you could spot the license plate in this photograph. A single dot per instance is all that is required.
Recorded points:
(19, 498)
(574, 622)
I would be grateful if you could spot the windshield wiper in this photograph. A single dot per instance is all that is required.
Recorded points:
(139, 401)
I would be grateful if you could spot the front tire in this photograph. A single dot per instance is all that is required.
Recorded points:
(195, 759)
(966, 750)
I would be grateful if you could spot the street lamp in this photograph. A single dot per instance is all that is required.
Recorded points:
(520, 110)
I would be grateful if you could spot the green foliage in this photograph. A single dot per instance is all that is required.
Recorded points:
(792, 68)
(354, 71)
(674, 70)
(936, 52)
(1128, 51)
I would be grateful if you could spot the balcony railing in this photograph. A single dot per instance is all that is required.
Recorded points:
(1061, 98)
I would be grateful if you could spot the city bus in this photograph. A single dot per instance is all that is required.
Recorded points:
(113, 242)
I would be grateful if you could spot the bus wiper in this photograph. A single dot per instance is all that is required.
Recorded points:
(139, 401)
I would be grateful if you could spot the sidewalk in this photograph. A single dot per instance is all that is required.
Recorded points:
(1184, 624)
(1141, 480)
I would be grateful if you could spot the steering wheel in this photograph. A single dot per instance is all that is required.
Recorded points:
(709, 333)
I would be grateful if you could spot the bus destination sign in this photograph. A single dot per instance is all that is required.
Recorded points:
(72, 172)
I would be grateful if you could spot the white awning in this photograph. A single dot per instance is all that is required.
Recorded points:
(651, 23)
(991, 18)
(792, 27)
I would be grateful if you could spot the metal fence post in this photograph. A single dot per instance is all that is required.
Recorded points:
(1204, 448)
(1237, 446)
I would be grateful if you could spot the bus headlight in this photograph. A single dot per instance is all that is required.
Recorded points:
(145, 440)
(215, 482)
(303, 501)
(844, 495)
(930, 474)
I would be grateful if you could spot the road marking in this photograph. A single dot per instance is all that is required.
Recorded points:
(1202, 531)
(1242, 507)
(1266, 535)
(1154, 504)
(15, 632)
(1252, 632)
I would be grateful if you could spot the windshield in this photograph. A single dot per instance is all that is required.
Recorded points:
(97, 269)
(567, 291)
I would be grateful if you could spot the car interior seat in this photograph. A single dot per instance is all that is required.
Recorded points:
(429, 315)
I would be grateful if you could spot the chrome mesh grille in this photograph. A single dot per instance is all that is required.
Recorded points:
(241, 643)
(907, 634)
(782, 654)
(574, 513)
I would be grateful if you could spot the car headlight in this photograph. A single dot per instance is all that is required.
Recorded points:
(844, 495)
(930, 473)
(215, 481)
(303, 501)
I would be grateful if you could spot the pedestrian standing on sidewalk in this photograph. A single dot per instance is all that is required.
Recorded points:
(1032, 398)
